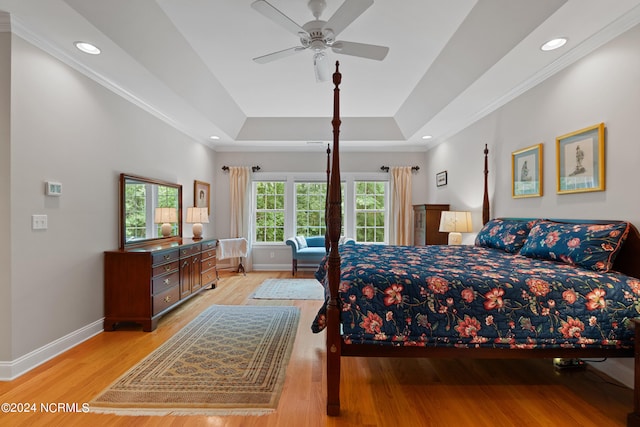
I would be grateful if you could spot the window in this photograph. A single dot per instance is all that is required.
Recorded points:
(287, 205)
(310, 204)
(269, 211)
(370, 211)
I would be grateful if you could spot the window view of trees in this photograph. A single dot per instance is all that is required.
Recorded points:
(139, 222)
(269, 211)
(370, 211)
(310, 207)
(307, 210)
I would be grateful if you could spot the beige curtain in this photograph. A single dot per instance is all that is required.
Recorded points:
(239, 181)
(401, 209)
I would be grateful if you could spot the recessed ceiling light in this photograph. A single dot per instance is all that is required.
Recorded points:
(554, 44)
(87, 48)
(214, 137)
(427, 137)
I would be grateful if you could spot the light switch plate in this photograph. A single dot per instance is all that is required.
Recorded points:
(38, 222)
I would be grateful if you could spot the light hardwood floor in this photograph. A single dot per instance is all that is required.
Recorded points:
(375, 392)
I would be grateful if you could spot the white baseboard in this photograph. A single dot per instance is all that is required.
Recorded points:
(13, 369)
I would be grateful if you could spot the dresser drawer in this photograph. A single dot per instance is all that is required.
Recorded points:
(208, 263)
(209, 253)
(190, 250)
(165, 299)
(208, 277)
(161, 283)
(165, 257)
(166, 268)
(209, 245)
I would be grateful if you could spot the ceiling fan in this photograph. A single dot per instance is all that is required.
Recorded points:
(318, 35)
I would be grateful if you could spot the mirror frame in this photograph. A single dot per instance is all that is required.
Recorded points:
(123, 179)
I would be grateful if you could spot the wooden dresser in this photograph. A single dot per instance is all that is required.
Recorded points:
(426, 223)
(145, 282)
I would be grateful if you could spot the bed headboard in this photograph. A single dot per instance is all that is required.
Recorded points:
(628, 260)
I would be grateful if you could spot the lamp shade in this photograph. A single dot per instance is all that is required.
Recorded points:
(165, 215)
(455, 222)
(197, 215)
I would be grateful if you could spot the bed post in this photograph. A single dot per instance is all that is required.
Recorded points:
(326, 202)
(633, 418)
(334, 225)
(485, 200)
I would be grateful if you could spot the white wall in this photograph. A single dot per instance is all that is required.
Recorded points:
(602, 87)
(67, 128)
(5, 194)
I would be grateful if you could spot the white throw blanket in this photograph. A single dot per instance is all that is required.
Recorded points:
(232, 248)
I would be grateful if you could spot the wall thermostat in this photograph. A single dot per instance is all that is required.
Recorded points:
(53, 188)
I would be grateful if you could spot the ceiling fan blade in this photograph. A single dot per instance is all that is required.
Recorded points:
(277, 55)
(363, 50)
(346, 14)
(278, 17)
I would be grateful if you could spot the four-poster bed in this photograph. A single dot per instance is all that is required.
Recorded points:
(509, 296)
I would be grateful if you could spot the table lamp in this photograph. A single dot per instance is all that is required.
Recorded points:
(197, 216)
(166, 216)
(455, 223)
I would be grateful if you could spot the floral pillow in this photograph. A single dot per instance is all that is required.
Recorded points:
(592, 246)
(506, 234)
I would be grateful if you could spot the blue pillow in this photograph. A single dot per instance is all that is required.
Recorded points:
(506, 234)
(592, 246)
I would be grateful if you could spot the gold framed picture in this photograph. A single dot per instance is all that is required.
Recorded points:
(580, 160)
(201, 195)
(526, 172)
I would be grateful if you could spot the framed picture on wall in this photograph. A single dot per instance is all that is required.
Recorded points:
(441, 179)
(201, 195)
(526, 172)
(580, 160)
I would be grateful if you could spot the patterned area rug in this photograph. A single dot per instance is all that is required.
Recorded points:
(289, 289)
(230, 360)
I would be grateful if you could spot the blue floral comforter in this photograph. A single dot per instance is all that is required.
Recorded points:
(470, 296)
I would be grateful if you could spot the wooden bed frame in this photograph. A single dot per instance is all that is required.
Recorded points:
(626, 262)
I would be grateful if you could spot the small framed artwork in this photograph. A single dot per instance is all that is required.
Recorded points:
(201, 195)
(441, 179)
(526, 172)
(580, 160)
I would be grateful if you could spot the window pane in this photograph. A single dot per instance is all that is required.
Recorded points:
(370, 211)
(269, 211)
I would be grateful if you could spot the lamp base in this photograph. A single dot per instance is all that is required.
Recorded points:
(166, 229)
(197, 231)
(455, 238)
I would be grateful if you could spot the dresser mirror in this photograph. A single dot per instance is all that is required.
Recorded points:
(150, 209)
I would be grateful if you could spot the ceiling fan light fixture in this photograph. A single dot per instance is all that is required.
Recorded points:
(554, 44)
(321, 67)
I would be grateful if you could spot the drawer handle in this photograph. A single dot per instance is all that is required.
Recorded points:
(167, 281)
(167, 298)
(195, 259)
(167, 257)
(184, 252)
(167, 268)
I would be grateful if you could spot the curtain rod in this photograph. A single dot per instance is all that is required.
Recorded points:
(253, 168)
(413, 168)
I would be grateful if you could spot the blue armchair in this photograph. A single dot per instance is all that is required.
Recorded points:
(306, 250)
